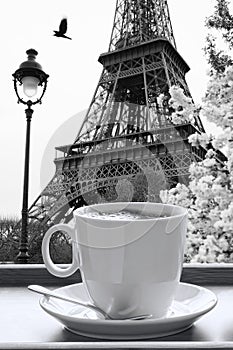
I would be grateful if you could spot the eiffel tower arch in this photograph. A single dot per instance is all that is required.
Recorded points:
(126, 131)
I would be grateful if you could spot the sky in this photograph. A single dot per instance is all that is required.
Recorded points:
(74, 72)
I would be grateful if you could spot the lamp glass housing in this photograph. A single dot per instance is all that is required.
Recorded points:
(30, 85)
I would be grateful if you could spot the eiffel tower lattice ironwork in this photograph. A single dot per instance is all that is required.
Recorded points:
(126, 131)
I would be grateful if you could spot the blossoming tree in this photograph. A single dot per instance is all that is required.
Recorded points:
(209, 195)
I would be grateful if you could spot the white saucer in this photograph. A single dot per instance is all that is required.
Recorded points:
(191, 302)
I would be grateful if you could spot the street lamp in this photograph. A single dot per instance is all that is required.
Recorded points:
(30, 82)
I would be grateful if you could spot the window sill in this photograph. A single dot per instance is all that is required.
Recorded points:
(201, 274)
(24, 325)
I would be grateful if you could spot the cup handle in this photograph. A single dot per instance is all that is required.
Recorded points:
(51, 267)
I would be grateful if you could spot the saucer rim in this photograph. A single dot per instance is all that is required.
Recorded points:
(213, 301)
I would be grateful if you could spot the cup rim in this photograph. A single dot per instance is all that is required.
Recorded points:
(183, 212)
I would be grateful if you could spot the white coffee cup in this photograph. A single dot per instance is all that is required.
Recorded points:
(129, 266)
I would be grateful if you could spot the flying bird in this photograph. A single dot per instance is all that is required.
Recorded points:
(62, 29)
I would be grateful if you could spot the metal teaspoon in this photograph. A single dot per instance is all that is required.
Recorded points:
(48, 292)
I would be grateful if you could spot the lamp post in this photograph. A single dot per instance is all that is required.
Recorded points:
(30, 82)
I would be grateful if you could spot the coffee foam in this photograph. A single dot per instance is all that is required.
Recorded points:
(120, 215)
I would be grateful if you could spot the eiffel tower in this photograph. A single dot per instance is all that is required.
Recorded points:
(126, 131)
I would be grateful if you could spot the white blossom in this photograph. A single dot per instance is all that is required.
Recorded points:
(209, 194)
(199, 139)
(209, 162)
(160, 100)
(184, 109)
